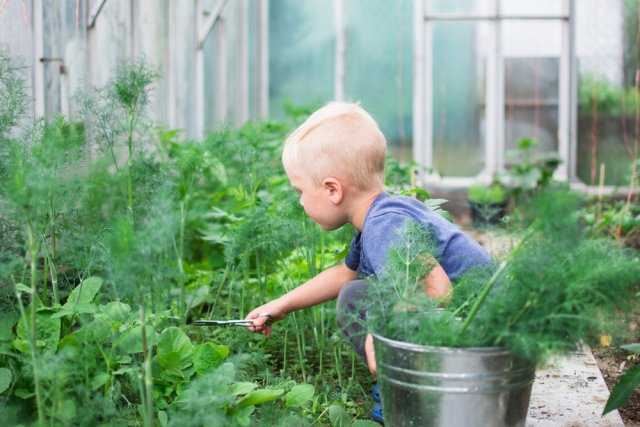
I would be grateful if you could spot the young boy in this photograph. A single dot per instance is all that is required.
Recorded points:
(336, 161)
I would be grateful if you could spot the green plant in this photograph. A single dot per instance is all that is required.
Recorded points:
(597, 92)
(614, 219)
(555, 289)
(627, 383)
(532, 171)
(483, 194)
(487, 203)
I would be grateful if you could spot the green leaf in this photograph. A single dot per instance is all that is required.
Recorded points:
(47, 330)
(173, 339)
(339, 417)
(259, 396)
(208, 356)
(84, 292)
(170, 360)
(243, 415)
(5, 379)
(627, 383)
(634, 348)
(115, 311)
(242, 388)
(299, 395)
(21, 287)
(24, 394)
(99, 380)
(67, 410)
(6, 326)
(131, 341)
(163, 418)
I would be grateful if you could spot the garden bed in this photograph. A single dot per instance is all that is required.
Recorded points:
(612, 362)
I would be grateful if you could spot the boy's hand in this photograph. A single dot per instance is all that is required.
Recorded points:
(264, 316)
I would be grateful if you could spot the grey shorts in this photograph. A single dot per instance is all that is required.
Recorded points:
(351, 315)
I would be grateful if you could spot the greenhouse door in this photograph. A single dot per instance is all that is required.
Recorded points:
(487, 74)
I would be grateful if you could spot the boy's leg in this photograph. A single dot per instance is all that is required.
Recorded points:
(351, 314)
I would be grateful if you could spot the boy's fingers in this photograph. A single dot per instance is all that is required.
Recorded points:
(260, 322)
(267, 331)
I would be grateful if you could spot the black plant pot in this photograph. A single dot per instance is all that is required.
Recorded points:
(485, 214)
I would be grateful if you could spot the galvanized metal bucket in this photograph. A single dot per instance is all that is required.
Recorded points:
(446, 387)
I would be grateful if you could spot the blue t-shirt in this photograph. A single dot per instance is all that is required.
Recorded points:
(456, 252)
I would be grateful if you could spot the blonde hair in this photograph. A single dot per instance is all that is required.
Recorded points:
(340, 139)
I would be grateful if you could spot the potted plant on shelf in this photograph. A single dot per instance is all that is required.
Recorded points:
(530, 171)
(488, 203)
(470, 359)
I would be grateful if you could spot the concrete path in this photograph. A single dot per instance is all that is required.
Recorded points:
(570, 392)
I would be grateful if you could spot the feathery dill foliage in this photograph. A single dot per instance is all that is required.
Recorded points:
(558, 288)
(14, 100)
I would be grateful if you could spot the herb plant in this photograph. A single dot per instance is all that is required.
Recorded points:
(556, 289)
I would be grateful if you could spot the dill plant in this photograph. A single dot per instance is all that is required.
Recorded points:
(40, 179)
(556, 289)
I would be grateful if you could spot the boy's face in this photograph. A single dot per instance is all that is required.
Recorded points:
(317, 203)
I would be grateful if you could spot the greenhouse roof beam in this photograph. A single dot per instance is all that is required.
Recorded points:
(95, 11)
(211, 21)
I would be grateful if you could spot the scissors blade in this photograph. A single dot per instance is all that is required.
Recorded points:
(207, 322)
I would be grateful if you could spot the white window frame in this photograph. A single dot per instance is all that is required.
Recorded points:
(495, 116)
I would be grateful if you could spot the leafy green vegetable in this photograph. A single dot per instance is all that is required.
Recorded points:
(299, 395)
(5, 379)
(208, 356)
(256, 397)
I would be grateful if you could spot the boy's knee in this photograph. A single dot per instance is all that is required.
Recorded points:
(353, 291)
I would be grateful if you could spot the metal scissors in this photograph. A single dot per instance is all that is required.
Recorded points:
(243, 322)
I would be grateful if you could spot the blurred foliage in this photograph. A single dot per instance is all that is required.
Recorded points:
(608, 98)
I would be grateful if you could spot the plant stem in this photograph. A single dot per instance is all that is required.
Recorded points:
(182, 310)
(52, 271)
(494, 278)
(34, 338)
(148, 379)
(131, 115)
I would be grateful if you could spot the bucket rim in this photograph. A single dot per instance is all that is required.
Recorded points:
(437, 349)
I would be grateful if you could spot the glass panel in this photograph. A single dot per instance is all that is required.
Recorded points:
(233, 36)
(606, 46)
(528, 7)
(302, 46)
(253, 36)
(532, 83)
(459, 69)
(531, 101)
(379, 66)
(480, 7)
(212, 74)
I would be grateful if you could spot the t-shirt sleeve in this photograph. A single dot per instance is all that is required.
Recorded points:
(352, 260)
(381, 234)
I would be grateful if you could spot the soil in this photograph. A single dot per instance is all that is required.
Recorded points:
(612, 362)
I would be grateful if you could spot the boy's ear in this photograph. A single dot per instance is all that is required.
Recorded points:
(334, 189)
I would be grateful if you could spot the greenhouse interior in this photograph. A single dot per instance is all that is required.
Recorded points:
(320, 213)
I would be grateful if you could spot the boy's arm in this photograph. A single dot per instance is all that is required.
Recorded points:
(321, 288)
(437, 284)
